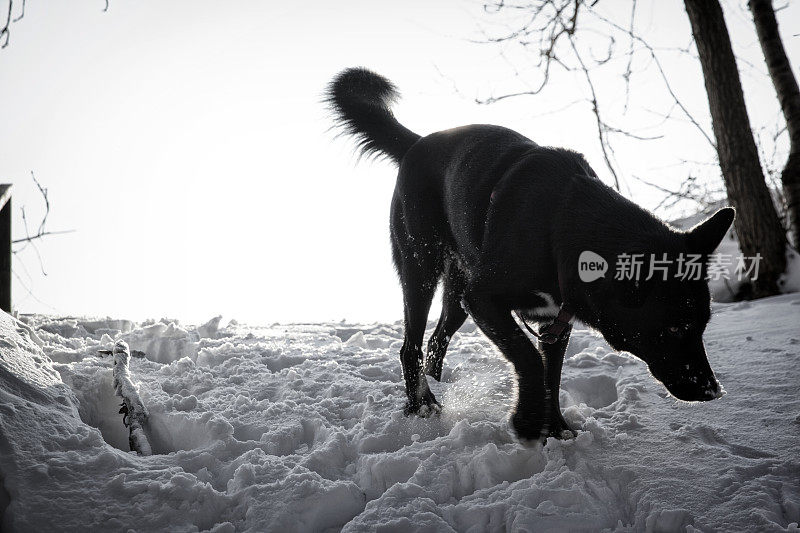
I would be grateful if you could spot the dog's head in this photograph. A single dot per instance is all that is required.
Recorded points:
(661, 321)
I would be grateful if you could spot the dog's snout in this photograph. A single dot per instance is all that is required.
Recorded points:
(696, 389)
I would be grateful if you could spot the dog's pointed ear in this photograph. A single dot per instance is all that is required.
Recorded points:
(706, 236)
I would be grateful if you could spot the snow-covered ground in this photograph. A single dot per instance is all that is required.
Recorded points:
(299, 428)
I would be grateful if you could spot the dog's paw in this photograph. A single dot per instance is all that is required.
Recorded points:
(562, 433)
(425, 407)
(560, 429)
(430, 410)
(529, 428)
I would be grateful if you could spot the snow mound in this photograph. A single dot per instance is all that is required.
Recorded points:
(299, 428)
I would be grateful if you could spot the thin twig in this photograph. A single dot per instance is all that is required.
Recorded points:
(601, 131)
(30, 240)
(663, 74)
(41, 232)
(4, 31)
(22, 13)
(628, 68)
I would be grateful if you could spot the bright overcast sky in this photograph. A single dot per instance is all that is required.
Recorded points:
(186, 145)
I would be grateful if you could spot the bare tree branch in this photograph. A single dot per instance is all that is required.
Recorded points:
(22, 12)
(691, 189)
(661, 71)
(5, 33)
(5, 30)
(602, 132)
(549, 35)
(41, 231)
(628, 68)
(552, 21)
(550, 24)
(30, 240)
(40, 235)
(30, 292)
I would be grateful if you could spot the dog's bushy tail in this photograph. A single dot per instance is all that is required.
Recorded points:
(360, 101)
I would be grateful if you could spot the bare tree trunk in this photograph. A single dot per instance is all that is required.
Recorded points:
(780, 70)
(757, 224)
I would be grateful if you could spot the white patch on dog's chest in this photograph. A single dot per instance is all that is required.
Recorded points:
(549, 310)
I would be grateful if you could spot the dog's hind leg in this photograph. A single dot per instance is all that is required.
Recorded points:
(452, 317)
(418, 257)
(530, 418)
(554, 359)
(419, 284)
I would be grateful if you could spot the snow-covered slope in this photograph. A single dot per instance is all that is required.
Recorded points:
(298, 428)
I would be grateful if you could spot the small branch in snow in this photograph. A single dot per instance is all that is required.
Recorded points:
(134, 413)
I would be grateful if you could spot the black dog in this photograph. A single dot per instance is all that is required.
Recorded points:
(504, 223)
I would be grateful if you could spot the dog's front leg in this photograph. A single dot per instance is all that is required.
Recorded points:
(530, 418)
(554, 360)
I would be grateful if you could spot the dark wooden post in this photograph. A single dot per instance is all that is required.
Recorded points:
(5, 247)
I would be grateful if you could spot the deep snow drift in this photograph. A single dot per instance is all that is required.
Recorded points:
(299, 428)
